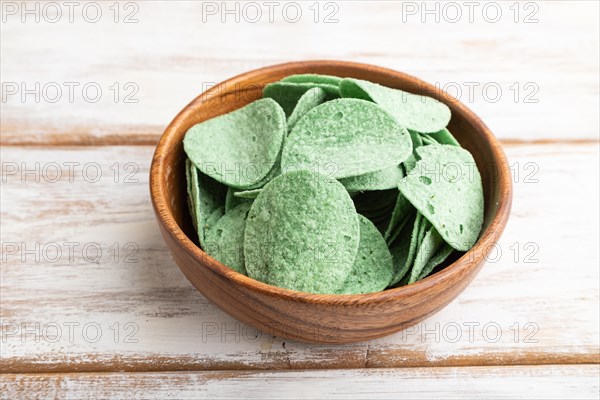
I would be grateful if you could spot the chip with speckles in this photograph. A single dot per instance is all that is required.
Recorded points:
(372, 269)
(232, 200)
(241, 147)
(309, 100)
(379, 180)
(354, 137)
(287, 94)
(205, 196)
(225, 239)
(313, 78)
(418, 113)
(302, 233)
(445, 186)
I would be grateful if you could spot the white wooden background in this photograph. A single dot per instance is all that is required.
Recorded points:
(124, 322)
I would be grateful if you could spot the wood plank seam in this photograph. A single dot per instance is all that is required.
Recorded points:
(368, 362)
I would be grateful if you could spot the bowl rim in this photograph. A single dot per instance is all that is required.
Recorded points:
(461, 266)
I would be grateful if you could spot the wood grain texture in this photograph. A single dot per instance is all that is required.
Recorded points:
(169, 59)
(178, 329)
(526, 382)
(322, 318)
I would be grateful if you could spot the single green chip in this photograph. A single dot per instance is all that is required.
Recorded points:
(241, 147)
(404, 248)
(445, 186)
(411, 161)
(400, 249)
(212, 219)
(350, 137)
(232, 201)
(207, 195)
(191, 200)
(274, 172)
(372, 269)
(225, 239)
(288, 94)
(419, 113)
(414, 239)
(436, 260)
(379, 180)
(248, 194)
(309, 100)
(423, 228)
(313, 78)
(302, 233)
(402, 209)
(428, 139)
(430, 244)
(399, 227)
(444, 137)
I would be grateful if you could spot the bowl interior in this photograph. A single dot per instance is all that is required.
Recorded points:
(243, 89)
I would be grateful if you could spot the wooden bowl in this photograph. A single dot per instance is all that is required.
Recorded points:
(313, 317)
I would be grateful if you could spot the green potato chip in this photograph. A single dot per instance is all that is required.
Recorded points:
(430, 244)
(232, 201)
(309, 100)
(349, 136)
(414, 239)
(419, 113)
(372, 269)
(404, 248)
(225, 239)
(288, 94)
(436, 260)
(423, 228)
(275, 171)
(212, 219)
(427, 140)
(400, 250)
(417, 139)
(207, 195)
(398, 229)
(248, 194)
(190, 192)
(313, 78)
(379, 180)
(444, 137)
(402, 209)
(241, 147)
(445, 186)
(302, 233)
(417, 142)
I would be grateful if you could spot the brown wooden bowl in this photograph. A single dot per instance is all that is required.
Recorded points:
(314, 317)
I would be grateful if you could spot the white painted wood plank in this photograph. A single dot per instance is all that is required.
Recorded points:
(171, 54)
(524, 382)
(537, 306)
